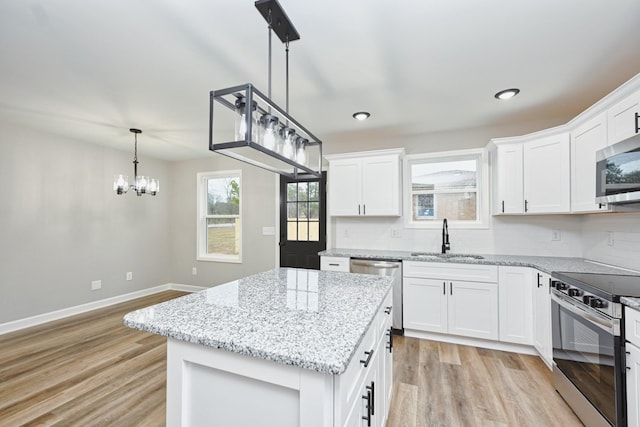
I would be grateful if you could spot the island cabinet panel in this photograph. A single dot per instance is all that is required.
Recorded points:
(208, 386)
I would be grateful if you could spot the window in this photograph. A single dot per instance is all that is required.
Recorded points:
(445, 185)
(219, 216)
(303, 211)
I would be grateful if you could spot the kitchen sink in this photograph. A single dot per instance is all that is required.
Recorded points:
(452, 257)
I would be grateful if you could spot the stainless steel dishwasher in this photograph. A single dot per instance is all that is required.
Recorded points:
(384, 267)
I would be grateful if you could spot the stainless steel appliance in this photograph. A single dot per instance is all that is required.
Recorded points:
(588, 343)
(384, 267)
(618, 172)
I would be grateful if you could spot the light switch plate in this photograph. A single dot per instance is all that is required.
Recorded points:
(555, 235)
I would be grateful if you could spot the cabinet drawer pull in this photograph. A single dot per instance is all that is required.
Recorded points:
(367, 397)
(526, 206)
(372, 387)
(387, 310)
(390, 335)
(368, 359)
(503, 206)
(334, 264)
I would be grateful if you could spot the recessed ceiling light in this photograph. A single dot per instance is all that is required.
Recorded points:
(361, 115)
(507, 93)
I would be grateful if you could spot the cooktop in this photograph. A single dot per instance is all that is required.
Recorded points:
(609, 286)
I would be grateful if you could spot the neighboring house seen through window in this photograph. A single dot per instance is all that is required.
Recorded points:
(450, 185)
(220, 216)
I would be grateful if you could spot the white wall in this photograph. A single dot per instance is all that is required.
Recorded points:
(625, 229)
(62, 226)
(258, 210)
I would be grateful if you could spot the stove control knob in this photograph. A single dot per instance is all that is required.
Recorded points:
(596, 303)
(561, 286)
(587, 299)
(573, 292)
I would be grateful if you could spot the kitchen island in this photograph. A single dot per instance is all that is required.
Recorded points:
(287, 347)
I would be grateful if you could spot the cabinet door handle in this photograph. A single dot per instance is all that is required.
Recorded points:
(358, 209)
(444, 288)
(372, 387)
(364, 209)
(451, 288)
(539, 277)
(334, 264)
(387, 310)
(503, 206)
(368, 359)
(390, 335)
(526, 206)
(637, 122)
(367, 397)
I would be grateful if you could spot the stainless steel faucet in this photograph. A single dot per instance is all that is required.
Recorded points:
(445, 237)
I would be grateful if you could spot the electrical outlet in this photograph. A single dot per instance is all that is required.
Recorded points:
(610, 238)
(129, 275)
(96, 284)
(396, 233)
(194, 271)
(555, 235)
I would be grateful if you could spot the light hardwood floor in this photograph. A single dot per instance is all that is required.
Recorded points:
(90, 370)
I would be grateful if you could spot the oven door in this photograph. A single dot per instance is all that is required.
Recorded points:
(587, 349)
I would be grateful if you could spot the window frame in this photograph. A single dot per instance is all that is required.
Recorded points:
(482, 187)
(202, 216)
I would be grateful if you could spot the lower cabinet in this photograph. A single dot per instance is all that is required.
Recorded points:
(364, 390)
(542, 316)
(516, 305)
(459, 307)
(632, 349)
(332, 263)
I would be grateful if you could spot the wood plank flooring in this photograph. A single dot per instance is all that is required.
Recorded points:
(85, 370)
(90, 370)
(440, 384)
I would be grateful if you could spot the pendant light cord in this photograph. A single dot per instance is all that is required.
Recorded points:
(135, 157)
(269, 29)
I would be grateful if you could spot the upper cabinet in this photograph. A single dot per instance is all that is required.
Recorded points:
(623, 119)
(508, 172)
(554, 171)
(365, 184)
(531, 177)
(586, 140)
(546, 177)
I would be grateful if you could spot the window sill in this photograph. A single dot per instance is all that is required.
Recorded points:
(220, 258)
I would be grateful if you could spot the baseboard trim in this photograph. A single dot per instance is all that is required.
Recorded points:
(39, 319)
(475, 342)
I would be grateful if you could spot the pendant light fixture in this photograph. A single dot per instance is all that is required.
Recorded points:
(142, 184)
(264, 134)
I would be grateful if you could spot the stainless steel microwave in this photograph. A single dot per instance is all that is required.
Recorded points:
(618, 172)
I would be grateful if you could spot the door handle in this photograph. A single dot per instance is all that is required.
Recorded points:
(637, 122)
(526, 206)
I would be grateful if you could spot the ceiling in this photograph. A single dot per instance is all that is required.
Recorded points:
(90, 70)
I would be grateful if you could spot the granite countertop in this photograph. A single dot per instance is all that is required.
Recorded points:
(542, 263)
(304, 318)
(631, 302)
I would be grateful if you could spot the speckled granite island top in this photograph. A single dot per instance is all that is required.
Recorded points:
(305, 318)
(542, 263)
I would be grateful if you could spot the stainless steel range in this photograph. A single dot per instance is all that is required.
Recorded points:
(588, 343)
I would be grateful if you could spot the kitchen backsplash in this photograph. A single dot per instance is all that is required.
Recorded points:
(579, 236)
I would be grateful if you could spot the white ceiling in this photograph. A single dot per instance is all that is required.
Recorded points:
(90, 70)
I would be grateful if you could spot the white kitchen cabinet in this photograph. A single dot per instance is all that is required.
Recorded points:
(508, 176)
(331, 263)
(586, 139)
(622, 121)
(547, 174)
(542, 316)
(473, 309)
(365, 184)
(516, 305)
(424, 304)
(632, 349)
(445, 298)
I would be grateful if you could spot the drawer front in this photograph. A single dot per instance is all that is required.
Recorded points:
(331, 263)
(451, 271)
(632, 325)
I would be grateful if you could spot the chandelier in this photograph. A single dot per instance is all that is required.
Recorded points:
(263, 134)
(142, 184)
